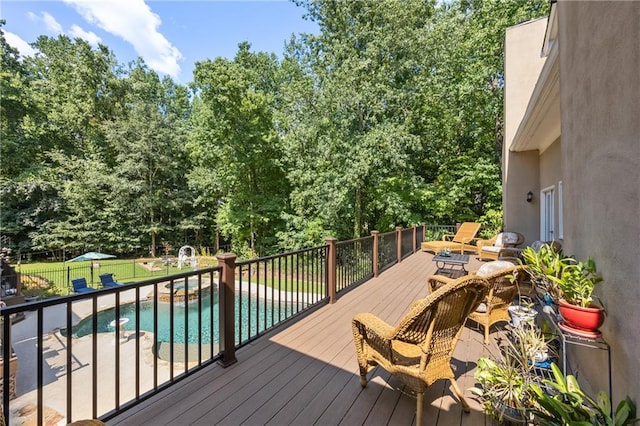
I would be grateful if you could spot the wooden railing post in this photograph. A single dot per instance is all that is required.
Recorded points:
(227, 312)
(399, 243)
(331, 268)
(376, 242)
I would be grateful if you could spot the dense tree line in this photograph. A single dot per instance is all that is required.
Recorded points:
(390, 116)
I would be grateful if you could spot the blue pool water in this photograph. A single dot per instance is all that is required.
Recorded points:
(253, 316)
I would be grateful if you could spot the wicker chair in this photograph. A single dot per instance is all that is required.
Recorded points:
(461, 241)
(418, 350)
(493, 248)
(502, 291)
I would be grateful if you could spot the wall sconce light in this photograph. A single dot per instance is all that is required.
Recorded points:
(529, 196)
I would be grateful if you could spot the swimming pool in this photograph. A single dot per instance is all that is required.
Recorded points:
(253, 315)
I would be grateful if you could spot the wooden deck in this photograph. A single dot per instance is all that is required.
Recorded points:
(306, 373)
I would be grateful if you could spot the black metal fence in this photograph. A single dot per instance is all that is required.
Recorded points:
(354, 262)
(387, 250)
(406, 242)
(92, 344)
(435, 232)
(273, 289)
(59, 279)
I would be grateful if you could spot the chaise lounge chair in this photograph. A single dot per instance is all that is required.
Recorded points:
(80, 285)
(107, 281)
(418, 351)
(458, 242)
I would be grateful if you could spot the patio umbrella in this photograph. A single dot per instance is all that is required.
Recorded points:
(92, 255)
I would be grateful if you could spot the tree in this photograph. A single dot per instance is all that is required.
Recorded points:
(361, 70)
(235, 148)
(151, 161)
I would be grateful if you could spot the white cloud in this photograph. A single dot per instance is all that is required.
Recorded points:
(51, 23)
(133, 21)
(52, 26)
(23, 47)
(89, 36)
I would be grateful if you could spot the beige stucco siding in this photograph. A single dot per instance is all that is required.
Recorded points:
(550, 175)
(600, 113)
(523, 63)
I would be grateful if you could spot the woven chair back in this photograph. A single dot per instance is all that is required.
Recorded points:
(434, 322)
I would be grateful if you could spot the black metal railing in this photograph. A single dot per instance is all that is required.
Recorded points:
(354, 262)
(435, 232)
(406, 242)
(97, 350)
(112, 348)
(273, 289)
(420, 231)
(387, 250)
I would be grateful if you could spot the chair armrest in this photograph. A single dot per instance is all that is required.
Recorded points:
(436, 281)
(369, 330)
(372, 326)
(448, 237)
(482, 243)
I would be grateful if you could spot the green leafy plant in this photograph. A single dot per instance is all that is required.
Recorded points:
(577, 282)
(542, 264)
(571, 406)
(504, 382)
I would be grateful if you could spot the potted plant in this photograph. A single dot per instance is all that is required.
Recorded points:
(542, 264)
(503, 389)
(504, 382)
(576, 283)
(569, 405)
(523, 312)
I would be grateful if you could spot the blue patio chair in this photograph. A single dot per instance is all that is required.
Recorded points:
(80, 285)
(107, 281)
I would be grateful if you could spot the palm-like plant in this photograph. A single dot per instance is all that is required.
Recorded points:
(571, 406)
(542, 264)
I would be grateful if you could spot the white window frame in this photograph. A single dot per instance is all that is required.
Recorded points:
(544, 207)
(560, 213)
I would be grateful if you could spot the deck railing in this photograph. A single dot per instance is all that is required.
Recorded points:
(354, 262)
(99, 353)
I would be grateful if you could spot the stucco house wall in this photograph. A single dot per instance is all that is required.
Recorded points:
(600, 114)
(581, 125)
(523, 63)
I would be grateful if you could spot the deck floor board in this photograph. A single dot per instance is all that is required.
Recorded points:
(306, 372)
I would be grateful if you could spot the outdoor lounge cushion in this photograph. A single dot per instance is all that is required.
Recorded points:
(107, 281)
(80, 285)
(488, 269)
(491, 268)
(490, 249)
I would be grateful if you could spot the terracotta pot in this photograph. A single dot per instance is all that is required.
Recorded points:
(587, 319)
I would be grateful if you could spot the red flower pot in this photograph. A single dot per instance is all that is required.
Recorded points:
(587, 319)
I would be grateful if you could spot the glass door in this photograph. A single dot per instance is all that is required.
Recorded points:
(547, 214)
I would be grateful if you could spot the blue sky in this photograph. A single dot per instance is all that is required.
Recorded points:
(171, 35)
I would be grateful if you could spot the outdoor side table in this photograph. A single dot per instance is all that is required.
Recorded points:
(451, 264)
